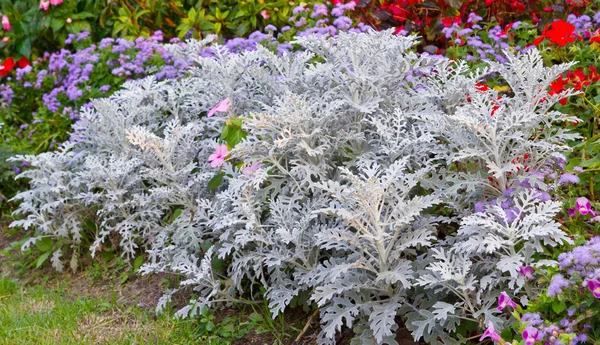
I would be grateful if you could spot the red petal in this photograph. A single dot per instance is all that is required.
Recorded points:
(23, 62)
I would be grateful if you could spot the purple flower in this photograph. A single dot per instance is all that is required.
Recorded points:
(16, 170)
(594, 286)
(490, 332)
(479, 207)
(568, 178)
(270, 27)
(319, 10)
(298, 9)
(530, 335)
(505, 301)
(527, 271)
(556, 285)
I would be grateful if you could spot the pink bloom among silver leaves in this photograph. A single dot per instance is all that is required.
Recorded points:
(45, 4)
(530, 335)
(249, 170)
(505, 301)
(527, 271)
(5, 23)
(490, 332)
(594, 286)
(221, 107)
(218, 158)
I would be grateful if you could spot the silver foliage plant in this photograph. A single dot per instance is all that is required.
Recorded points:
(366, 161)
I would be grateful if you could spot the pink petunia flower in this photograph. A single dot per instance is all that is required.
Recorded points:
(249, 170)
(55, 2)
(218, 158)
(530, 335)
(265, 14)
(594, 286)
(505, 301)
(45, 4)
(221, 107)
(527, 271)
(490, 332)
(5, 23)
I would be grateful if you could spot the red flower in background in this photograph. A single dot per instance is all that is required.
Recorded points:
(559, 32)
(7, 66)
(448, 22)
(23, 62)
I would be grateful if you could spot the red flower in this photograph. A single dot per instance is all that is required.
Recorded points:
(23, 62)
(596, 38)
(7, 66)
(447, 22)
(560, 33)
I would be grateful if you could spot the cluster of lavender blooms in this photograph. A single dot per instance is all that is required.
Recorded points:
(304, 21)
(550, 178)
(70, 78)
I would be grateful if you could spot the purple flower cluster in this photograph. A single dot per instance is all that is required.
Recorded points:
(70, 75)
(6, 94)
(554, 334)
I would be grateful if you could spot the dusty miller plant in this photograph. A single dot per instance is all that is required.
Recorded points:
(359, 155)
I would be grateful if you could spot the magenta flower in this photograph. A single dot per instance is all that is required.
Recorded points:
(594, 286)
(584, 206)
(218, 158)
(530, 335)
(56, 2)
(221, 107)
(5, 23)
(45, 4)
(527, 271)
(505, 301)
(490, 332)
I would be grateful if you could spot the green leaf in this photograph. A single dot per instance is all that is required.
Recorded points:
(40, 261)
(235, 137)
(558, 306)
(216, 181)
(57, 24)
(45, 244)
(591, 163)
(137, 263)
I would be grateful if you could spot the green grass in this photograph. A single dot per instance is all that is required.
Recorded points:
(38, 315)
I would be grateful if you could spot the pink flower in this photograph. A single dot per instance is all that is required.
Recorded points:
(265, 14)
(5, 23)
(218, 158)
(490, 332)
(527, 271)
(56, 2)
(45, 4)
(221, 107)
(584, 206)
(505, 301)
(530, 335)
(251, 169)
(594, 286)
(69, 20)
